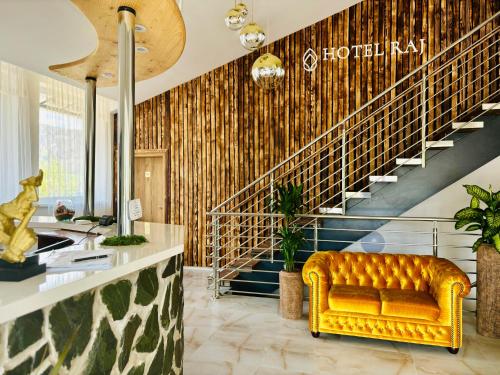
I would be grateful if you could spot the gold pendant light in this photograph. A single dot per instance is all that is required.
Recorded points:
(268, 71)
(236, 17)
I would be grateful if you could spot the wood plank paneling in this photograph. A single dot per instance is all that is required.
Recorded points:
(221, 132)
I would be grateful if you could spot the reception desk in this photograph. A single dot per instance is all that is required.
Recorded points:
(123, 320)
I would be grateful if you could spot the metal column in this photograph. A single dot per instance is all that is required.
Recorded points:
(90, 111)
(126, 118)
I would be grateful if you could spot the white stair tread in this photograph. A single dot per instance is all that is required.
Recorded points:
(358, 194)
(490, 106)
(468, 125)
(438, 144)
(331, 210)
(414, 161)
(383, 178)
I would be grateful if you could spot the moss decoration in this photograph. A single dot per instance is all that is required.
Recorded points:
(124, 240)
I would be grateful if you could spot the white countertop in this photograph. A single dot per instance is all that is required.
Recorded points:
(20, 298)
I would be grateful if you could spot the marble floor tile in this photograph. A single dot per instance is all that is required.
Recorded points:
(239, 335)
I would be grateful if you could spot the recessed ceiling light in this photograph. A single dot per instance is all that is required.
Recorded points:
(107, 75)
(140, 28)
(141, 49)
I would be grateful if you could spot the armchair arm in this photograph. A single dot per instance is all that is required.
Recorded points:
(316, 275)
(448, 285)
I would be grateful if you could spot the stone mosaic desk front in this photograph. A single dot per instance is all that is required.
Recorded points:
(132, 324)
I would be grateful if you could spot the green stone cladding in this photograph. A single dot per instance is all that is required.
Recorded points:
(131, 326)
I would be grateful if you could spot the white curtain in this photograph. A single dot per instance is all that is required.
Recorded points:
(41, 126)
(18, 108)
(62, 147)
(104, 156)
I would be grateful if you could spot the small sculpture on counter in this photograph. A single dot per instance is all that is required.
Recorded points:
(64, 211)
(19, 239)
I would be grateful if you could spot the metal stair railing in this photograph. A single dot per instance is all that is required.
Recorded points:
(397, 123)
(435, 236)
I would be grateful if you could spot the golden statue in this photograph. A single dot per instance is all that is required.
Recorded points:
(19, 239)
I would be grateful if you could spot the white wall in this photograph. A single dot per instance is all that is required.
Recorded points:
(414, 237)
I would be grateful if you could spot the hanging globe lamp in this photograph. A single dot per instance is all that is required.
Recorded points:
(234, 19)
(252, 36)
(268, 71)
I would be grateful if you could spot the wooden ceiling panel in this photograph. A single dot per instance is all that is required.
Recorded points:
(165, 38)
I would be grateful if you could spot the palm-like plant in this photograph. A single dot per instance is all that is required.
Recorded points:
(289, 202)
(487, 220)
(292, 239)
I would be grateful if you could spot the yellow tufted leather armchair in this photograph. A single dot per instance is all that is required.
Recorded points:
(408, 298)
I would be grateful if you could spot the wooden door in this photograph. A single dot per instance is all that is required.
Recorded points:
(150, 184)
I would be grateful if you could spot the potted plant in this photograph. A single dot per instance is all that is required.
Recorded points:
(488, 254)
(289, 202)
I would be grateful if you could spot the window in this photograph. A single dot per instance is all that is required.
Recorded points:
(41, 126)
(61, 143)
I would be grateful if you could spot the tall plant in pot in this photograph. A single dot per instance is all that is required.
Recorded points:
(289, 202)
(487, 220)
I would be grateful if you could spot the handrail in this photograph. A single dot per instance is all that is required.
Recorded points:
(356, 112)
(331, 216)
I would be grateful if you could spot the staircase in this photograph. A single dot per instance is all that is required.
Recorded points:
(410, 141)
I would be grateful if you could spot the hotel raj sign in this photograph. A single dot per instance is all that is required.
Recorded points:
(311, 58)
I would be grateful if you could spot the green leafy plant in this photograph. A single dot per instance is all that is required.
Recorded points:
(487, 220)
(292, 239)
(289, 201)
(124, 240)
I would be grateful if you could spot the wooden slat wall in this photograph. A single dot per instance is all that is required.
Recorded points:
(222, 132)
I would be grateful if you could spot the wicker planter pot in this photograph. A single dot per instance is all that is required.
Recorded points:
(488, 291)
(291, 295)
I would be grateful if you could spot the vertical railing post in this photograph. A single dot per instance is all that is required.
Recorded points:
(271, 202)
(315, 234)
(435, 240)
(216, 255)
(343, 170)
(423, 117)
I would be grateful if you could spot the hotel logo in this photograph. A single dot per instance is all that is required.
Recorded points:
(310, 59)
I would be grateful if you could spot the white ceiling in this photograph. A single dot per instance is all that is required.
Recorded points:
(35, 34)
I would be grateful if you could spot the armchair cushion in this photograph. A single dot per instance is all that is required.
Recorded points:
(406, 303)
(351, 298)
